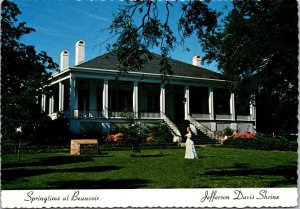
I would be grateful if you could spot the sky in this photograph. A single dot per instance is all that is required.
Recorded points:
(59, 24)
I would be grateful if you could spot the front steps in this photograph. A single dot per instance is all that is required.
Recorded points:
(199, 139)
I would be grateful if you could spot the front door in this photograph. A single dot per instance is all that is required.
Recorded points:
(175, 102)
(179, 105)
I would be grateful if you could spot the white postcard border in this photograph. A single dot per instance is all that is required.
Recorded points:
(218, 197)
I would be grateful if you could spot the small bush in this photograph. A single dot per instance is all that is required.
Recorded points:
(158, 135)
(228, 131)
(262, 143)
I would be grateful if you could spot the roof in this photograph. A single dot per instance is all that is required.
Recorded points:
(110, 62)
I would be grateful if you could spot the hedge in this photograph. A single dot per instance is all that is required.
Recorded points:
(35, 148)
(66, 148)
(262, 143)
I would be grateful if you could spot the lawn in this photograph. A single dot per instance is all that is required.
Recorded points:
(216, 168)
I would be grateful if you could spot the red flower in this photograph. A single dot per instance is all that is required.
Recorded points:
(243, 135)
(114, 137)
(150, 138)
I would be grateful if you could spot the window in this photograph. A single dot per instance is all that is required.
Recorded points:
(119, 98)
(152, 102)
(222, 101)
(242, 106)
(99, 92)
(199, 100)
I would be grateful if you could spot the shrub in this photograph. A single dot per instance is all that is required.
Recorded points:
(261, 143)
(228, 131)
(159, 135)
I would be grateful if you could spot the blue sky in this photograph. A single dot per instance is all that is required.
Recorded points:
(59, 24)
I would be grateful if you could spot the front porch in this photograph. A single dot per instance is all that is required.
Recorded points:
(103, 101)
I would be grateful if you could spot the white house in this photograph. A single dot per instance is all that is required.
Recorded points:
(92, 98)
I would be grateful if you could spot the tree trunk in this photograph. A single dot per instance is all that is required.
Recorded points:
(19, 149)
(132, 151)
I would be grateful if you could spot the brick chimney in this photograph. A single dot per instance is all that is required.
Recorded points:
(79, 52)
(64, 60)
(197, 61)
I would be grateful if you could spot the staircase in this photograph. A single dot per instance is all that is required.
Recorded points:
(199, 139)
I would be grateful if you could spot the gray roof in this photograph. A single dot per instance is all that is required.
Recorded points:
(109, 61)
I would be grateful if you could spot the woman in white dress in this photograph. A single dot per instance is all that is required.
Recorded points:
(190, 151)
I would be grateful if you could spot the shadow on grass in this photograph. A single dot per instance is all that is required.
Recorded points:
(103, 154)
(205, 156)
(58, 160)
(53, 161)
(14, 174)
(288, 172)
(100, 184)
(151, 155)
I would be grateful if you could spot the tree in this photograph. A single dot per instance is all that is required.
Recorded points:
(158, 135)
(23, 76)
(255, 45)
(153, 30)
(257, 48)
(131, 130)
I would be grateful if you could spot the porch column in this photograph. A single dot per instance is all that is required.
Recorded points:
(93, 100)
(211, 103)
(232, 106)
(51, 104)
(135, 105)
(163, 98)
(49, 107)
(61, 92)
(105, 99)
(252, 112)
(43, 103)
(73, 98)
(187, 101)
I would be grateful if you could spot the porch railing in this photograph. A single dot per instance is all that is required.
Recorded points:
(114, 114)
(223, 117)
(111, 114)
(243, 117)
(149, 114)
(201, 116)
(174, 129)
(88, 114)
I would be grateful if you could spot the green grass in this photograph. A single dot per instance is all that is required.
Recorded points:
(215, 168)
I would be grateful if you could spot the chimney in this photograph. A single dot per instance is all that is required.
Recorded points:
(197, 61)
(79, 52)
(64, 60)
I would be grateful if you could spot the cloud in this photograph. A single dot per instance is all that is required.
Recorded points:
(89, 14)
(97, 17)
(51, 32)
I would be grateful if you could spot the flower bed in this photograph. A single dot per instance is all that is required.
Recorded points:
(114, 137)
(243, 135)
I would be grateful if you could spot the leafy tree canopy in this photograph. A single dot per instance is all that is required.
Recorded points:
(23, 74)
(139, 27)
(257, 48)
(255, 45)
